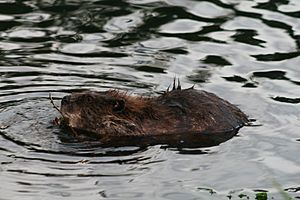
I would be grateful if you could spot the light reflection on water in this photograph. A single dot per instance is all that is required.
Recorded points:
(244, 51)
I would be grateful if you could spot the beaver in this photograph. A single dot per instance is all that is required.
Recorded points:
(180, 117)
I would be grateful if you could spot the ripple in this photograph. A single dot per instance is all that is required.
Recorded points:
(266, 35)
(217, 60)
(124, 23)
(14, 8)
(26, 34)
(89, 50)
(8, 46)
(281, 164)
(58, 6)
(291, 7)
(278, 75)
(236, 78)
(245, 51)
(35, 118)
(79, 48)
(6, 25)
(6, 18)
(276, 56)
(163, 43)
(97, 37)
(287, 100)
(181, 26)
(35, 17)
(203, 9)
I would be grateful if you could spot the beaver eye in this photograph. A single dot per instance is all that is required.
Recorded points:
(119, 105)
(80, 99)
(88, 98)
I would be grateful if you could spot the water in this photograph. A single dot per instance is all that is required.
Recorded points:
(245, 51)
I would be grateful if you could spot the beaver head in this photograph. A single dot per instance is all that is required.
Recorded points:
(104, 113)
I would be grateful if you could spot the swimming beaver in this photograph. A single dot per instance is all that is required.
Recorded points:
(180, 117)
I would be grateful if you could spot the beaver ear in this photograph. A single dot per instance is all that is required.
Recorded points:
(119, 105)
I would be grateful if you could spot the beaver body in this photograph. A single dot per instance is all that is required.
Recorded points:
(187, 117)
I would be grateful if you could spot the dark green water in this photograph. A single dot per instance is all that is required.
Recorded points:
(244, 51)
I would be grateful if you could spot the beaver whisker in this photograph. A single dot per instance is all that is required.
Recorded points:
(61, 119)
(54, 106)
(168, 89)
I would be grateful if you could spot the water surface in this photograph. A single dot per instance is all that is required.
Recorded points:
(244, 51)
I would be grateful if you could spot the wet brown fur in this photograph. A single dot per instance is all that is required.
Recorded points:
(176, 114)
(138, 106)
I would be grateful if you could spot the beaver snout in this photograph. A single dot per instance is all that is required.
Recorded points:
(66, 100)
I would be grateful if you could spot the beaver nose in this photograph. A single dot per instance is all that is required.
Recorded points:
(65, 100)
